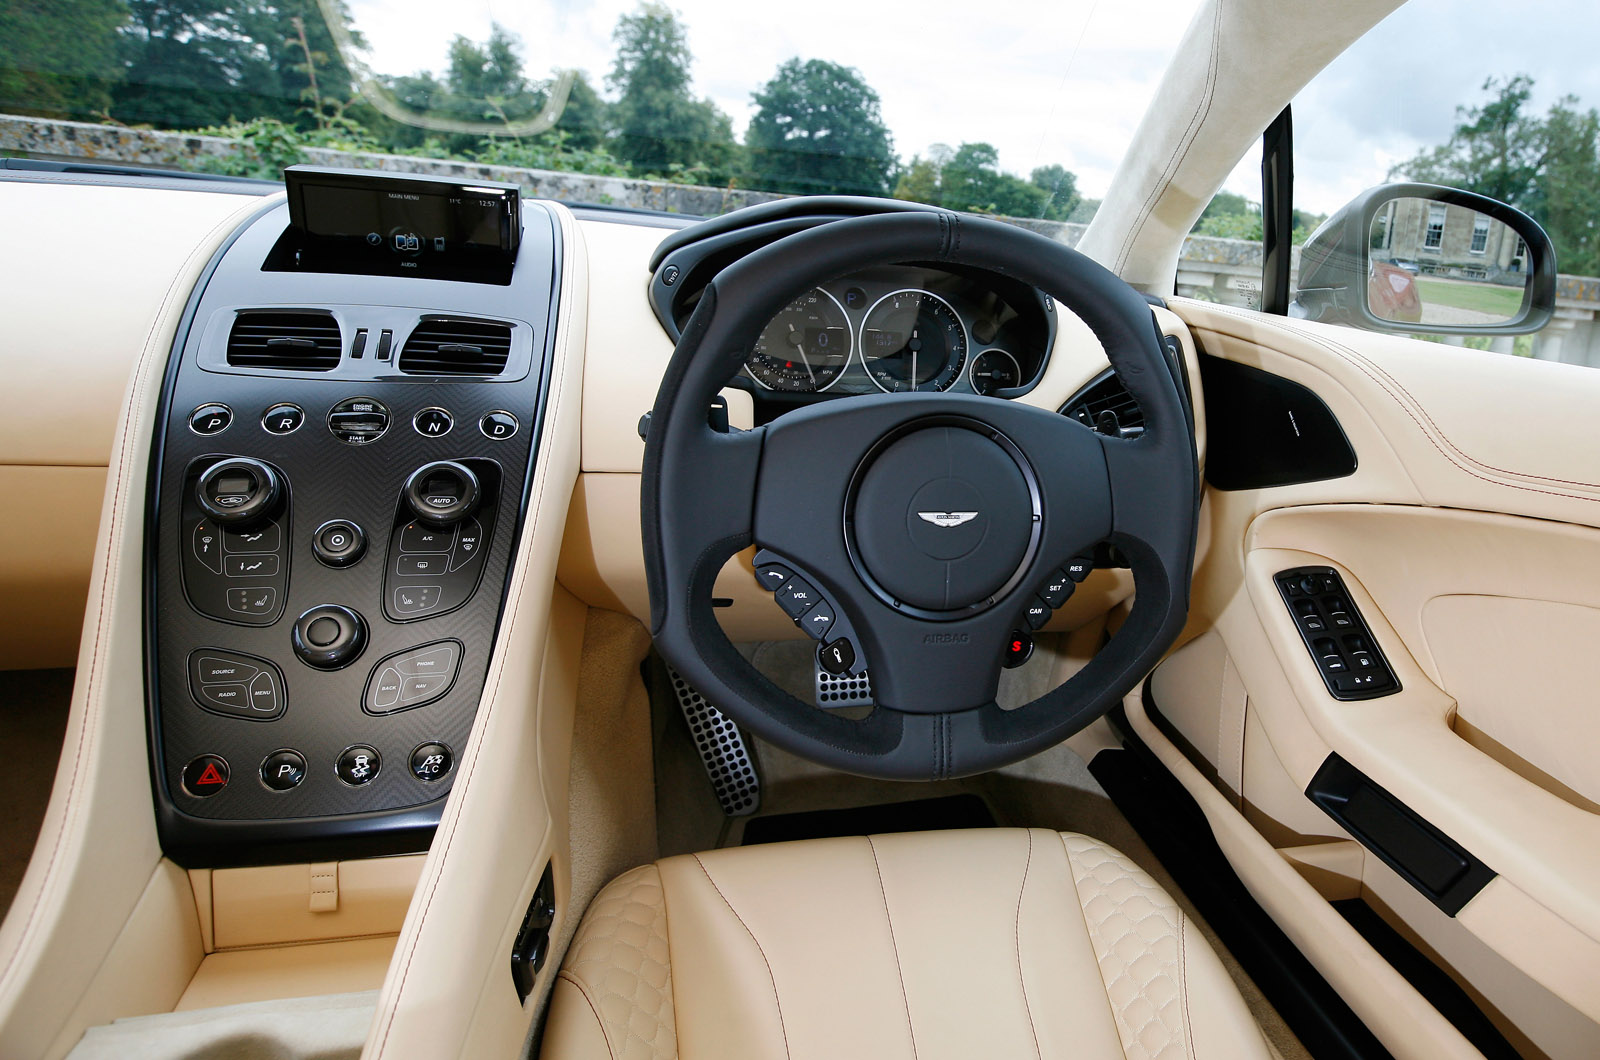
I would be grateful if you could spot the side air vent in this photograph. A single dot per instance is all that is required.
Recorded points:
(1106, 406)
(302, 341)
(450, 346)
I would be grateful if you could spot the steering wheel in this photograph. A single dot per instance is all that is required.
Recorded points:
(928, 520)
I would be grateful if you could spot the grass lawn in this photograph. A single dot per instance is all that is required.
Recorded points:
(1503, 302)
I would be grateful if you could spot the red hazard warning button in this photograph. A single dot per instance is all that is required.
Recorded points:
(205, 776)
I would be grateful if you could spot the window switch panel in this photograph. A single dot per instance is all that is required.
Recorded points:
(1350, 663)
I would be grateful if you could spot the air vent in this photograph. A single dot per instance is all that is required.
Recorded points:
(1106, 406)
(448, 346)
(294, 342)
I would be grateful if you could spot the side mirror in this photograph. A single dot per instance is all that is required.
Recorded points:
(1420, 258)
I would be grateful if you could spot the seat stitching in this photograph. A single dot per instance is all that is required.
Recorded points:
(893, 945)
(593, 1010)
(1083, 915)
(1183, 982)
(1016, 939)
(777, 1002)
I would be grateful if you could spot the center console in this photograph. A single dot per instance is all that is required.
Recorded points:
(347, 431)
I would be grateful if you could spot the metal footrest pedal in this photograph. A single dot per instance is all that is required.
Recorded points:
(727, 759)
(843, 690)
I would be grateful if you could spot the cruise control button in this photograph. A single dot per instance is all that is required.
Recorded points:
(386, 689)
(210, 419)
(498, 425)
(818, 622)
(796, 597)
(433, 422)
(431, 761)
(420, 537)
(358, 765)
(283, 419)
(838, 657)
(264, 565)
(410, 600)
(282, 770)
(421, 565)
(205, 776)
(264, 538)
(207, 547)
(1057, 588)
(1079, 567)
(772, 576)
(1037, 614)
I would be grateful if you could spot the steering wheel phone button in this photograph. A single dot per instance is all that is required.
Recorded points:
(1038, 614)
(838, 657)
(772, 576)
(796, 597)
(818, 622)
(358, 765)
(1019, 648)
(283, 770)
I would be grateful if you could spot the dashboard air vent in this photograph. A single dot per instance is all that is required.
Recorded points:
(297, 341)
(450, 346)
(1106, 406)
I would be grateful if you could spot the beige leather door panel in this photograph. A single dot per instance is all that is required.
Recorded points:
(1470, 547)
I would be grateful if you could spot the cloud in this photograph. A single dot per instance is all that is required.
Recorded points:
(1049, 82)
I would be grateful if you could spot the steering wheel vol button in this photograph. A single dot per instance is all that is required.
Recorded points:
(943, 518)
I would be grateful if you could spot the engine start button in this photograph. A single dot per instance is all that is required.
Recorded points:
(358, 420)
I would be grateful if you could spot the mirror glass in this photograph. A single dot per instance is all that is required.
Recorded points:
(1431, 262)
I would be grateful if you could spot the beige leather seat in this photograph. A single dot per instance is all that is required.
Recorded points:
(959, 945)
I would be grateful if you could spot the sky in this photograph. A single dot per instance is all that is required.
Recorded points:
(1051, 81)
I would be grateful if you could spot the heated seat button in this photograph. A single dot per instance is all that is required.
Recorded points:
(205, 776)
(358, 765)
(431, 761)
(838, 657)
(282, 770)
(796, 597)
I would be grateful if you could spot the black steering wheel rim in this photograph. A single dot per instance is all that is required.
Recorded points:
(703, 497)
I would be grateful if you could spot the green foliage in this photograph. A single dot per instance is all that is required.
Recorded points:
(1230, 215)
(970, 178)
(268, 145)
(660, 127)
(59, 58)
(818, 130)
(1545, 165)
(552, 150)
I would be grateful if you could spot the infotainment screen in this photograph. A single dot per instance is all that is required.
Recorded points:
(376, 223)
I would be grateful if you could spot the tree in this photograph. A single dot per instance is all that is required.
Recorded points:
(972, 180)
(59, 58)
(1061, 189)
(660, 126)
(818, 129)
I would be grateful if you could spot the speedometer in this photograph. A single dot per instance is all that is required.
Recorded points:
(913, 340)
(805, 348)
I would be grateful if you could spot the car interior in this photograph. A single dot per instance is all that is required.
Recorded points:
(454, 623)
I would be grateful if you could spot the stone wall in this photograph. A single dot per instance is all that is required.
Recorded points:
(1218, 270)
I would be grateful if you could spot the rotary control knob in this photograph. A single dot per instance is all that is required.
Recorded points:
(329, 636)
(442, 493)
(238, 491)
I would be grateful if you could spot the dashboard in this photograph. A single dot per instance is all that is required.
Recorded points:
(901, 328)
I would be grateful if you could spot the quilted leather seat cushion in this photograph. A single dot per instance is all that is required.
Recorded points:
(988, 943)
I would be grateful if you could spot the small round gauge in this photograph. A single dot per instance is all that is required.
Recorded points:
(994, 370)
(805, 348)
(913, 340)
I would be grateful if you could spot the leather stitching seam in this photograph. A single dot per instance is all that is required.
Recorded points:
(1016, 943)
(1183, 982)
(894, 946)
(776, 1001)
(593, 1009)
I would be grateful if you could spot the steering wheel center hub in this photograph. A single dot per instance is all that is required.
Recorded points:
(944, 518)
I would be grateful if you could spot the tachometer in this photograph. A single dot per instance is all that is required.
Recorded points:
(806, 347)
(913, 340)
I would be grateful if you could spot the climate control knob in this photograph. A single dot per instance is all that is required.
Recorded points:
(442, 493)
(238, 491)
